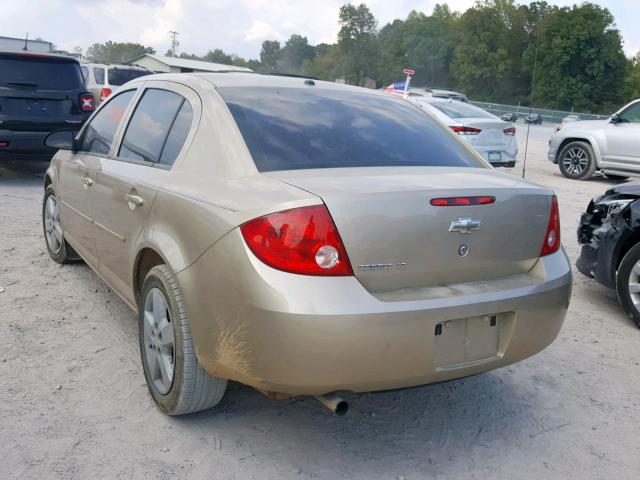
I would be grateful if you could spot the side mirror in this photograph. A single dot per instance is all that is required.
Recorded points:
(616, 118)
(61, 140)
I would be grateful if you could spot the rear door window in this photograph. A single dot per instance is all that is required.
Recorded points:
(98, 74)
(100, 131)
(39, 72)
(150, 125)
(300, 128)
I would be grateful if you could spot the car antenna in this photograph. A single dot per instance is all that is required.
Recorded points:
(533, 84)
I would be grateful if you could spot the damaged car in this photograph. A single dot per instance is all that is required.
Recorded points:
(609, 233)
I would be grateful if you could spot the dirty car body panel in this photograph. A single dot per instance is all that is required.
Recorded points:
(607, 230)
(428, 291)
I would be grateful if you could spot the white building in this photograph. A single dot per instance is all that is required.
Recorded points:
(12, 44)
(160, 64)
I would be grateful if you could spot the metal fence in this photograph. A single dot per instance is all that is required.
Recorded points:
(553, 116)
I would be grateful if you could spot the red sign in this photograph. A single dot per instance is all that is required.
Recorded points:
(408, 71)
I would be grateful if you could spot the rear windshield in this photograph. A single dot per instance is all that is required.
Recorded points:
(301, 128)
(120, 76)
(44, 73)
(456, 109)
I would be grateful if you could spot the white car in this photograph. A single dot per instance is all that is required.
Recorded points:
(102, 80)
(611, 146)
(493, 138)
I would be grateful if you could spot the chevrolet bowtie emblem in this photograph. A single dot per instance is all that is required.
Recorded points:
(464, 226)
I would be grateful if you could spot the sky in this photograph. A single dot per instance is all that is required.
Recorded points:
(235, 26)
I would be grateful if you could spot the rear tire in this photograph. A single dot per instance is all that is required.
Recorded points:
(177, 382)
(628, 284)
(577, 161)
(59, 250)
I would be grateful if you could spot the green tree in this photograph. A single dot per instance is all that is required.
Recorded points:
(270, 55)
(631, 89)
(581, 64)
(218, 56)
(295, 52)
(357, 42)
(115, 52)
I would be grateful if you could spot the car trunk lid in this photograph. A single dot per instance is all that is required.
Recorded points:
(396, 239)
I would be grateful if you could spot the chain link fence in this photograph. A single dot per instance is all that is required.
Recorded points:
(552, 116)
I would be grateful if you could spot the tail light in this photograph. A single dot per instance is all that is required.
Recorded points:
(301, 240)
(552, 236)
(460, 130)
(87, 102)
(461, 201)
(510, 131)
(104, 93)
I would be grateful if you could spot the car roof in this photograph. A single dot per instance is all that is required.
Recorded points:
(115, 65)
(252, 79)
(31, 54)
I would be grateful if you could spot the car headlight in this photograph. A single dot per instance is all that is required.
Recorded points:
(612, 205)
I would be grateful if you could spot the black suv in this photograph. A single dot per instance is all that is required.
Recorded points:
(39, 93)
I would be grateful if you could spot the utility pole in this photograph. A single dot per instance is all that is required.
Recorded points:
(26, 42)
(174, 42)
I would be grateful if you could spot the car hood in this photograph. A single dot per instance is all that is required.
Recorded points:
(583, 125)
(628, 189)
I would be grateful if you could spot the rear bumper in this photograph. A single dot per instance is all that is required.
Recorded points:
(27, 146)
(299, 335)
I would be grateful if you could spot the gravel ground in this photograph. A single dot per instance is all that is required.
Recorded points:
(73, 400)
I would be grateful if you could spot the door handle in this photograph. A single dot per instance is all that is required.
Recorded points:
(86, 181)
(135, 200)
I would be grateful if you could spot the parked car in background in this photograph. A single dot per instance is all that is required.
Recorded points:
(533, 118)
(611, 146)
(570, 118)
(493, 138)
(102, 79)
(361, 247)
(39, 93)
(609, 233)
(509, 117)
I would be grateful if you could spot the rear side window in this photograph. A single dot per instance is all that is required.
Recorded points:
(120, 76)
(177, 135)
(457, 109)
(39, 72)
(102, 128)
(150, 124)
(98, 74)
(85, 73)
(301, 128)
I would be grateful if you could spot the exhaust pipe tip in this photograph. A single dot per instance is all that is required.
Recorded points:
(335, 403)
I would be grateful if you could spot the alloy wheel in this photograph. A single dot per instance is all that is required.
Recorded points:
(575, 161)
(52, 226)
(634, 285)
(159, 342)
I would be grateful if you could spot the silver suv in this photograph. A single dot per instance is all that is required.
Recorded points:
(102, 80)
(611, 146)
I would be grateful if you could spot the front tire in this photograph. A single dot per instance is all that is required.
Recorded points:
(177, 382)
(59, 250)
(577, 161)
(628, 284)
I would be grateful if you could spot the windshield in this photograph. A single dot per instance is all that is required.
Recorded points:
(46, 73)
(456, 109)
(300, 128)
(120, 76)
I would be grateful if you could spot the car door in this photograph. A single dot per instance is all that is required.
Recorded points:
(623, 139)
(127, 183)
(78, 172)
